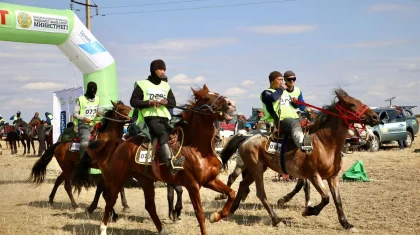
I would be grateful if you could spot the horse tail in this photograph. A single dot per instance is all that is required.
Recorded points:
(40, 167)
(231, 148)
(80, 176)
(96, 152)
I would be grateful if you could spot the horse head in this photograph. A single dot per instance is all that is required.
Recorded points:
(212, 104)
(353, 110)
(121, 111)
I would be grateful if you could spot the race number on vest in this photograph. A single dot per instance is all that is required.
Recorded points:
(156, 93)
(90, 111)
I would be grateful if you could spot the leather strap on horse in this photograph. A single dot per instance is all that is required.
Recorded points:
(343, 113)
(283, 154)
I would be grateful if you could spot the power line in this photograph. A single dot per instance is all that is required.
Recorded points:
(197, 8)
(153, 4)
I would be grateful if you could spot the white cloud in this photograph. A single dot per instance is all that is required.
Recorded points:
(187, 44)
(234, 91)
(389, 7)
(282, 29)
(42, 86)
(411, 68)
(184, 79)
(371, 44)
(247, 83)
(34, 103)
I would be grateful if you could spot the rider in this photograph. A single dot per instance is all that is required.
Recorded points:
(1, 120)
(16, 117)
(289, 117)
(153, 97)
(270, 98)
(49, 118)
(36, 116)
(86, 109)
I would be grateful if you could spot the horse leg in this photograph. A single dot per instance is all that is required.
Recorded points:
(307, 189)
(170, 196)
(178, 205)
(33, 146)
(149, 202)
(67, 186)
(231, 179)
(242, 191)
(24, 146)
(126, 208)
(99, 189)
(335, 192)
(11, 147)
(57, 183)
(218, 186)
(194, 192)
(258, 173)
(289, 196)
(110, 199)
(325, 199)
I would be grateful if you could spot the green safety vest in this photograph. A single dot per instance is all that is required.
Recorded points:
(50, 116)
(153, 92)
(276, 104)
(286, 108)
(88, 109)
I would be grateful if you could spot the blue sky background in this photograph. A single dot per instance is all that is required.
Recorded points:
(369, 48)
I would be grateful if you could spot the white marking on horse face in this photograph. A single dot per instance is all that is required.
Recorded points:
(103, 228)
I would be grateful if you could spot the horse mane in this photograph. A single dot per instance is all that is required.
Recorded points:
(322, 118)
(192, 103)
(108, 113)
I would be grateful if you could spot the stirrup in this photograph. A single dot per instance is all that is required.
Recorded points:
(178, 163)
(306, 145)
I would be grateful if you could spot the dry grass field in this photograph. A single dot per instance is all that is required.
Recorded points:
(389, 204)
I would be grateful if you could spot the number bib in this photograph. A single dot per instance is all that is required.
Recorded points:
(90, 111)
(156, 93)
(141, 157)
(285, 100)
(274, 147)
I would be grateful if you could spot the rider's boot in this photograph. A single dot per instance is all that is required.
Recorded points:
(174, 164)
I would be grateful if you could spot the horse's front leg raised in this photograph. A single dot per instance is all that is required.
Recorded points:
(218, 186)
(335, 192)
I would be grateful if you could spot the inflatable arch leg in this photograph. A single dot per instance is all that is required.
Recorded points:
(64, 29)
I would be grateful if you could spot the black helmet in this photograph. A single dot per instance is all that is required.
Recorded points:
(18, 112)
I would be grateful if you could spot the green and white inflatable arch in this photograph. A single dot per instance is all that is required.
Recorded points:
(64, 29)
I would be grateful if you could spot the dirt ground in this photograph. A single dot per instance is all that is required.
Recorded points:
(389, 204)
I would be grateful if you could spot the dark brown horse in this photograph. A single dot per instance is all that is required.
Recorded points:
(201, 165)
(113, 123)
(330, 132)
(27, 135)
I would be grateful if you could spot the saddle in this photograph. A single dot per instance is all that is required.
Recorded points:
(75, 144)
(280, 141)
(146, 153)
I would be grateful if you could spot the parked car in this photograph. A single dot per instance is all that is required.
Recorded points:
(392, 128)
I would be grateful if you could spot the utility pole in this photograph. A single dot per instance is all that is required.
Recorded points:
(87, 6)
(88, 25)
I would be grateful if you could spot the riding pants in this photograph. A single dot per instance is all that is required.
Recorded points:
(158, 128)
(84, 136)
(292, 126)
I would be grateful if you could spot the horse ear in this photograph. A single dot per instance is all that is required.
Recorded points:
(196, 94)
(205, 88)
(113, 104)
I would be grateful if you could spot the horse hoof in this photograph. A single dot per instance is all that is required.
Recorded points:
(353, 230)
(305, 212)
(214, 217)
(163, 232)
(115, 218)
(281, 202)
(126, 209)
(275, 221)
(88, 211)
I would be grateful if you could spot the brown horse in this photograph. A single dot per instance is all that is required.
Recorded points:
(113, 123)
(328, 138)
(27, 135)
(201, 165)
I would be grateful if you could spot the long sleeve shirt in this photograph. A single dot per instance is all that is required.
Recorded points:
(268, 97)
(77, 113)
(137, 97)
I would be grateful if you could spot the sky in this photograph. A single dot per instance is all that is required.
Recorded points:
(369, 48)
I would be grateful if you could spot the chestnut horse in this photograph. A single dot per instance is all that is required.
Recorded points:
(328, 138)
(201, 165)
(113, 123)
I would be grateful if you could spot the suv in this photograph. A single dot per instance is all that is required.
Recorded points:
(392, 128)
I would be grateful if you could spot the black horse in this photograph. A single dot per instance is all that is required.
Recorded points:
(28, 135)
